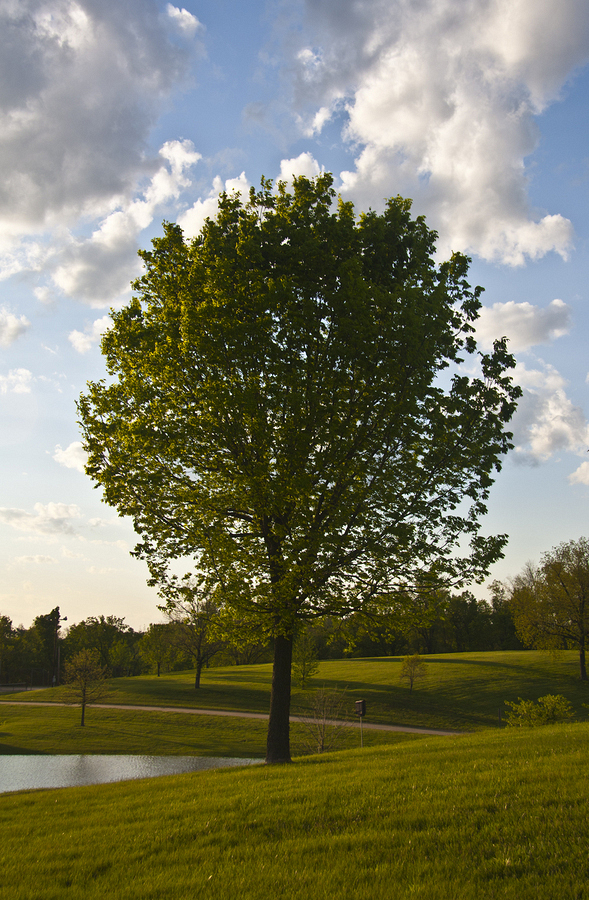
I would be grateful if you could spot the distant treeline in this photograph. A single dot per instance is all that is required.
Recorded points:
(438, 623)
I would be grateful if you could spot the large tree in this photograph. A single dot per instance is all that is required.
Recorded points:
(550, 602)
(286, 408)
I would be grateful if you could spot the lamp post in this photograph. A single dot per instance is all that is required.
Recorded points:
(56, 650)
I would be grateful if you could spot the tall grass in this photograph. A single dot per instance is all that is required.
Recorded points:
(501, 814)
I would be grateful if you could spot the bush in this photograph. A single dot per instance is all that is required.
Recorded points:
(545, 711)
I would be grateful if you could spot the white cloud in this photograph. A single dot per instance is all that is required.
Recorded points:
(184, 21)
(37, 560)
(81, 84)
(304, 164)
(546, 420)
(440, 99)
(48, 519)
(73, 457)
(69, 554)
(82, 341)
(98, 269)
(97, 522)
(11, 327)
(580, 475)
(194, 218)
(44, 294)
(18, 381)
(318, 122)
(120, 545)
(524, 324)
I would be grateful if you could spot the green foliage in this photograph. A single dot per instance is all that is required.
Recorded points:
(305, 660)
(276, 415)
(85, 677)
(500, 816)
(244, 641)
(31, 655)
(428, 622)
(115, 642)
(192, 609)
(550, 603)
(546, 711)
(157, 647)
(413, 668)
(37, 649)
(6, 644)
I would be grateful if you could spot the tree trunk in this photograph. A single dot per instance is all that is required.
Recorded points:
(83, 711)
(199, 663)
(278, 744)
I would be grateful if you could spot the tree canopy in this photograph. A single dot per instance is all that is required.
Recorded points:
(286, 409)
(550, 602)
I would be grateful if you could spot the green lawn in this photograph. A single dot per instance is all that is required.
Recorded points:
(498, 815)
(462, 691)
(32, 729)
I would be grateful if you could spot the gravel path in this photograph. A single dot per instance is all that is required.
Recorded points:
(237, 715)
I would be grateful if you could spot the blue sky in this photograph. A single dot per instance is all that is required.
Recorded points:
(116, 115)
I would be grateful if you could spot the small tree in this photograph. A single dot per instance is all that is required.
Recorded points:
(324, 722)
(412, 668)
(85, 677)
(546, 711)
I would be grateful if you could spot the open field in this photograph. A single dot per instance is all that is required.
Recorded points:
(462, 691)
(57, 730)
(500, 815)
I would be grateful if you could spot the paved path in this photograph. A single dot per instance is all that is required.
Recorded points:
(230, 713)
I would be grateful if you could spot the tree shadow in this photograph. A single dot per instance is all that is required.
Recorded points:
(11, 750)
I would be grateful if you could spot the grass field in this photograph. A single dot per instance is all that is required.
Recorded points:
(25, 730)
(498, 815)
(462, 691)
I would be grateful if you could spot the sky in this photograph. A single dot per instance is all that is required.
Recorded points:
(118, 114)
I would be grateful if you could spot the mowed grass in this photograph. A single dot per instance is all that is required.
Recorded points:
(28, 730)
(462, 691)
(501, 814)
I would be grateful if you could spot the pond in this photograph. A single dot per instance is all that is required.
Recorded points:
(22, 773)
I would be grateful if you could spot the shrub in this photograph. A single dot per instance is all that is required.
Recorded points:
(545, 711)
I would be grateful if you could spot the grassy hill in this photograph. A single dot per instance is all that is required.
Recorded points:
(462, 691)
(492, 815)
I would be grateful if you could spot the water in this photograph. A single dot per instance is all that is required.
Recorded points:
(22, 773)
